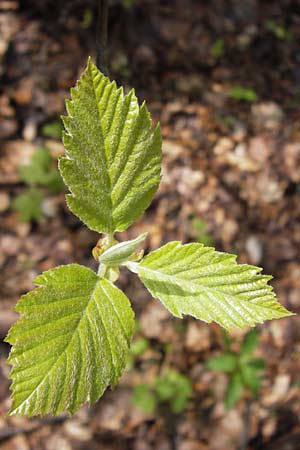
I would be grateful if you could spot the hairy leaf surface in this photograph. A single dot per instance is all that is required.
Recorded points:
(209, 285)
(71, 342)
(113, 157)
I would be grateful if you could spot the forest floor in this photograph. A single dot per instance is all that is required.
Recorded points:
(223, 78)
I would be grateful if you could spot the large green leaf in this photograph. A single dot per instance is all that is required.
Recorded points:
(209, 285)
(70, 343)
(113, 157)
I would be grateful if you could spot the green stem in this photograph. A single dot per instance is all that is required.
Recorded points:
(103, 269)
(110, 239)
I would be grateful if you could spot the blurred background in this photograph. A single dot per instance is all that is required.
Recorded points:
(223, 78)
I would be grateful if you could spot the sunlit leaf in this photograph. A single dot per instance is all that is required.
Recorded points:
(209, 285)
(71, 342)
(113, 157)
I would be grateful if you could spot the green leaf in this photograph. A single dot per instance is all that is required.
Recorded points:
(257, 363)
(280, 31)
(71, 342)
(174, 388)
(137, 349)
(250, 343)
(40, 171)
(29, 204)
(234, 390)
(209, 285)
(52, 129)
(199, 232)
(217, 49)
(54, 182)
(113, 158)
(139, 346)
(223, 363)
(251, 378)
(241, 93)
(35, 172)
(87, 19)
(144, 398)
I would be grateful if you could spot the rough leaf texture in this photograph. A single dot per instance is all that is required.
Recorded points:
(113, 158)
(70, 343)
(209, 285)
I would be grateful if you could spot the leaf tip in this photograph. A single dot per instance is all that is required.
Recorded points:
(90, 62)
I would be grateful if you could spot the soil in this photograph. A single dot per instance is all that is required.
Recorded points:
(231, 174)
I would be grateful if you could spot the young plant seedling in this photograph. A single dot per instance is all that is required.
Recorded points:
(217, 49)
(52, 129)
(28, 204)
(243, 369)
(73, 338)
(138, 347)
(37, 174)
(243, 94)
(279, 30)
(199, 232)
(173, 389)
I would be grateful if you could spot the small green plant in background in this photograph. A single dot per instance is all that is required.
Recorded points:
(226, 120)
(37, 174)
(242, 368)
(172, 388)
(138, 347)
(29, 204)
(199, 232)
(217, 49)
(40, 171)
(242, 94)
(73, 338)
(52, 129)
(87, 18)
(128, 3)
(279, 30)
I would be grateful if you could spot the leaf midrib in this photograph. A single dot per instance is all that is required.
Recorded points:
(135, 267)
(110, 209)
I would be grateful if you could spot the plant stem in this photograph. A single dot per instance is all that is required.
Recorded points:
(101, 36)
(102, 270)
(110, 239)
